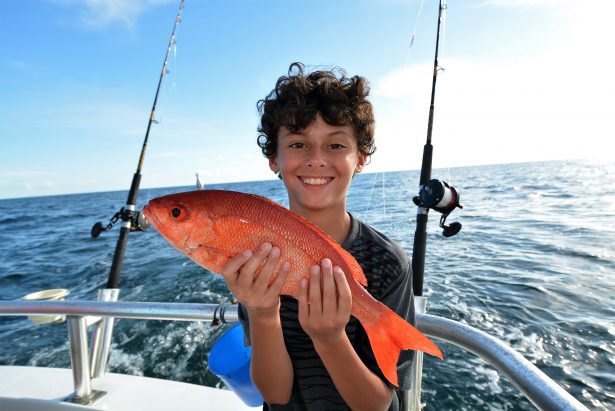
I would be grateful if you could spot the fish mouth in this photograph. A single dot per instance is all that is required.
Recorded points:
(150, 217)
(315, 181)
(146, 212)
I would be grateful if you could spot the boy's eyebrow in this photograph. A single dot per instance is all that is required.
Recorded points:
(343, 132)
(285, 132)
(288, 132)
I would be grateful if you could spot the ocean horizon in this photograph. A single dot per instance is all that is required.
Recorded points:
(366, 172)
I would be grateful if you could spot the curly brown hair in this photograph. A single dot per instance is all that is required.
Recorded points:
(298, 97)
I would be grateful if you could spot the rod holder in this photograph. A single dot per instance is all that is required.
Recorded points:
(78, 340)
(101, 336)
(412, 398)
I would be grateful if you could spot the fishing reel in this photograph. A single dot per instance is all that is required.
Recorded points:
(138, 222)
(443, 198)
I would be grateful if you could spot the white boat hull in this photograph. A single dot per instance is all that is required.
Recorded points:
(42, 389)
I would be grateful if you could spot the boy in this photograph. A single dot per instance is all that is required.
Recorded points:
(317, 132)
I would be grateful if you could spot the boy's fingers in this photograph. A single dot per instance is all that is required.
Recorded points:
(343, 291)
(304, 308)
(315, 299)
(247, 272)
(231, 268)
(279, 281)
(264, 277)
(329, 294)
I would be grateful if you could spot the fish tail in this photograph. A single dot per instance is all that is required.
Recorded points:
(390, 334)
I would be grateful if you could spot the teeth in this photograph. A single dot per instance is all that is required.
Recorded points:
(315, 181)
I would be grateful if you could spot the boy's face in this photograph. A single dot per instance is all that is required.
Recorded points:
(317, 166)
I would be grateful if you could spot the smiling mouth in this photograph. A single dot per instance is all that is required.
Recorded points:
(316, 181)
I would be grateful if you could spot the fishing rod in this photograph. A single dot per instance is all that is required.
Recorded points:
(433, 194)
(131, 219)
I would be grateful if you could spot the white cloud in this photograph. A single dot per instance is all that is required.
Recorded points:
(100, 13)
(542, 108)
(403, 82)
(528, 3)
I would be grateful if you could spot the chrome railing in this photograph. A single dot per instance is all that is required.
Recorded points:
(537, 387)
(80, 314)
(543, 392)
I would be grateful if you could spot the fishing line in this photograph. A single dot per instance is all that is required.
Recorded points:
(384, 204)
(416, 26)
(369, 200)
(443, 45)
(384, 199)
(174, 89)
(170, 75)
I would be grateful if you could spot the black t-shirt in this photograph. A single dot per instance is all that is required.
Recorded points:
(389, 277)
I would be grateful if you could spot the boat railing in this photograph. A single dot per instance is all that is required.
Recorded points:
(541, 390)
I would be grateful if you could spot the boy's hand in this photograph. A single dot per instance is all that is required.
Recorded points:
(325, 303)
(251, 284)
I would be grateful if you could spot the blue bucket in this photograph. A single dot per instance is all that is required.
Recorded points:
(230, 359)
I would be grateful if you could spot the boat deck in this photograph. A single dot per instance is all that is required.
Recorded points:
(42, 389)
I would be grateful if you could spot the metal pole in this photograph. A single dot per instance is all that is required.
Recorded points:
(79, 358)
(101, 336)
(125, 309)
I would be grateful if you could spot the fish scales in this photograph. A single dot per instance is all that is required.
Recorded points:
(256, 220)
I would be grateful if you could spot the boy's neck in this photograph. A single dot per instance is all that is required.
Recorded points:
(336, 225)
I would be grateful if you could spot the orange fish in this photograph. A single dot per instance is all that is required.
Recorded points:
(212, 226)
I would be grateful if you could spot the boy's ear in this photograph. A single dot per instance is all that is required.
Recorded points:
(273, 164)
(360, 163)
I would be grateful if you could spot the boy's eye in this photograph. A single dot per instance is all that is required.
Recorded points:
(297, 145)
(337, 146)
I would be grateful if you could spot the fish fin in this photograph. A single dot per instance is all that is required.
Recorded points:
(355, 268)
(390, 334)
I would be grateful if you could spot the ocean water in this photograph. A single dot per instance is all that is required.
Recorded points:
(533, 265)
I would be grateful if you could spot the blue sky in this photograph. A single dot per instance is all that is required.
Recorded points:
(524, 80)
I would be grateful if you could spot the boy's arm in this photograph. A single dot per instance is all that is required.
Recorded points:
(324, 310)
(360, 388)
(271, 367)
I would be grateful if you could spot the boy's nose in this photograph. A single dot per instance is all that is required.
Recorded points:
(316, 159)
(316, 162)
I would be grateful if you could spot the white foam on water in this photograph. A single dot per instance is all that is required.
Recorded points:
(127, 363)
(532, 345)
(487, 378)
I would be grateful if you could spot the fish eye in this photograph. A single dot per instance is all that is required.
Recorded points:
(178, 213)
